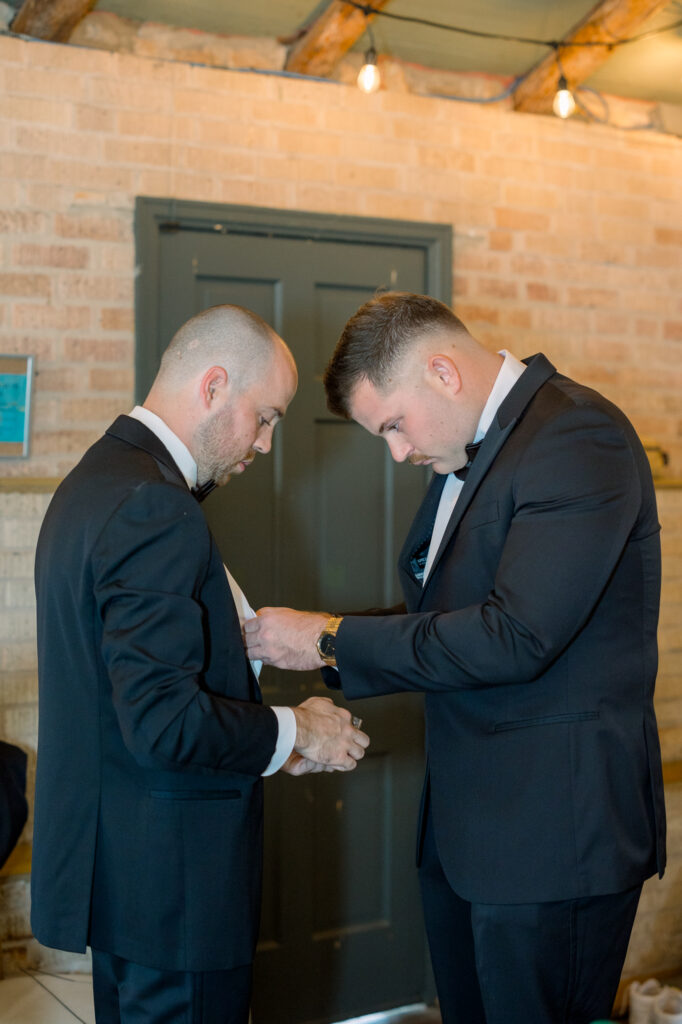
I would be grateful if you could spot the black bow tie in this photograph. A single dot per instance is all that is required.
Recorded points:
(201, 492)
(471, 451)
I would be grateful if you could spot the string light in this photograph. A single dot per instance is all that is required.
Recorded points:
(563, 103)
(369, 77)
(368, 11)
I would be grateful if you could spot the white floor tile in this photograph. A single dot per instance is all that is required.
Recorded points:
(47, 999)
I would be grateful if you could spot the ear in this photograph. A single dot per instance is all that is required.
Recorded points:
(213, 385)
(444, 372)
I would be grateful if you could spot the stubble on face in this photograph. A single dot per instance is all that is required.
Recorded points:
(216, 459)
(228, 441)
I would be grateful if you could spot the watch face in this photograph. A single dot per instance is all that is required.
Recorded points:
(327, 645)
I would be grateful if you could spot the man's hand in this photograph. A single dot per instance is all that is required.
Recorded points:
(295, 764)
(285, 638)
(325, 734)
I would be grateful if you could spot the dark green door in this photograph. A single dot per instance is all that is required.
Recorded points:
(318, 524)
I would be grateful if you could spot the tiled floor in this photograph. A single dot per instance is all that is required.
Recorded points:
(47, 999)
(39, 998)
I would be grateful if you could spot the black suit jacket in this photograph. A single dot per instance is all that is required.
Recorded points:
(152, 737)
(534, 640)
(13, 805)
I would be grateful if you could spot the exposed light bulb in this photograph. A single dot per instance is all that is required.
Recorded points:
(563, 103)
(369, 78)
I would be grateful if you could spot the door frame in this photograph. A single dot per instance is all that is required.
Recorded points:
(156, 216)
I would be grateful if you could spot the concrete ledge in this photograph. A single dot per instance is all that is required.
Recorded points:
(19, 861)
(29, 484)
(672, 772)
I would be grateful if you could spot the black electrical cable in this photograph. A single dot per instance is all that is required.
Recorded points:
(554, 44)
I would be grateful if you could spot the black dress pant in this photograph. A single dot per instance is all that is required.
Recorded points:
(532, 963)
(128, 993)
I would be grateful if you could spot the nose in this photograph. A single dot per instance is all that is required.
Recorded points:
(398, 447)
(263, 442)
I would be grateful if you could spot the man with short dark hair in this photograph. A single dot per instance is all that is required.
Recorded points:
(531, 577)
(153, 736)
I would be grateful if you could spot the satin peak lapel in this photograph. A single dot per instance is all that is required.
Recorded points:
(492, 443)
(419, 533)
(510, 411)
(132, 431)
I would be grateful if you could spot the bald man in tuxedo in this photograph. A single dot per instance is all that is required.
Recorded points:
(153, 737)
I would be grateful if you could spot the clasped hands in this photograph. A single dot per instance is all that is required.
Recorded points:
(326, 739)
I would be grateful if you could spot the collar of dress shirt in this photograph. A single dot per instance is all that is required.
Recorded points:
(509, 373)
(177, 448)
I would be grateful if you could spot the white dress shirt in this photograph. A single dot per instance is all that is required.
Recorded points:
(509, 373)
(286, 720)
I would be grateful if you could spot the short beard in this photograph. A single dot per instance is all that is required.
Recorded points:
(214, 462)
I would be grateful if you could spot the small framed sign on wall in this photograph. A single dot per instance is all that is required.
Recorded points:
(16, 374)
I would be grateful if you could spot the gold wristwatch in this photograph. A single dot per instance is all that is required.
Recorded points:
(326, 641)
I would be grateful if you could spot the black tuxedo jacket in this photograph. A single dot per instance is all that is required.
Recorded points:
(534, 640)
(152, 737)
(13, 804)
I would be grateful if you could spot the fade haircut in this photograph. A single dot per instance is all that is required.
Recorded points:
(375, 340)
(228, 336)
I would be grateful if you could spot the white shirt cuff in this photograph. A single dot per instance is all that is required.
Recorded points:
(286, 719)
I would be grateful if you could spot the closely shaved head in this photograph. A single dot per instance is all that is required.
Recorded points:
(224, 382)
(229, 336)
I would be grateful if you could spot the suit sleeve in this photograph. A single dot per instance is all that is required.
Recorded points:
(331, 676)
(576, 498)
(150, 563)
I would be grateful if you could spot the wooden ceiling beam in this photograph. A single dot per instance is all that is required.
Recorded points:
(50, 19)
(329, 37)
(610, 20)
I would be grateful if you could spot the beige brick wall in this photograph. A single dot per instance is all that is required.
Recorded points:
(656, 944)
(567, 239)
(669, 682)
